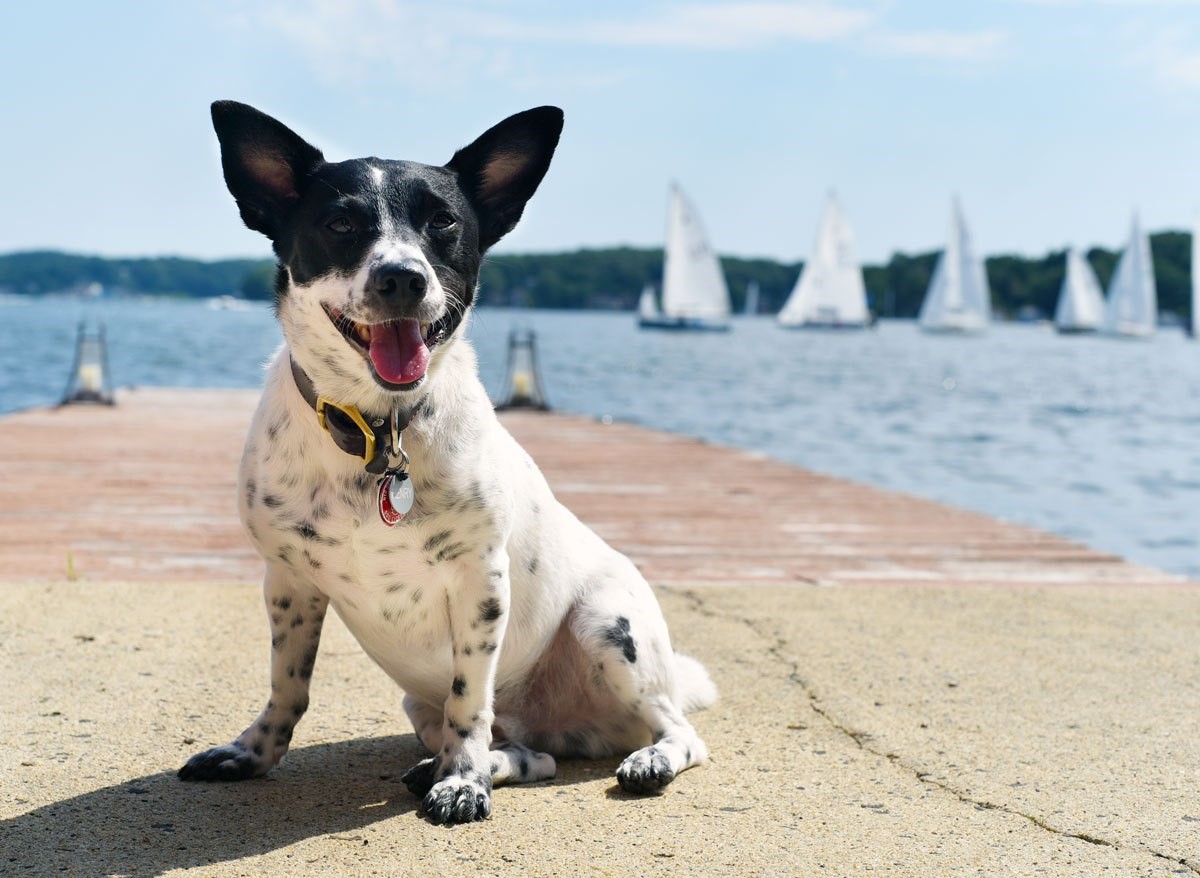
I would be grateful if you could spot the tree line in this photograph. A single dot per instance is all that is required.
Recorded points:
(609, 278)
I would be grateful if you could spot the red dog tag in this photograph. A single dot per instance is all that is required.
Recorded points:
(395, 497)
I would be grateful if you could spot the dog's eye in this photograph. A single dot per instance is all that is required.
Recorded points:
(340, 225)
(441, 220)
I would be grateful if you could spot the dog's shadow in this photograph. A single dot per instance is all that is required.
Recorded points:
(156, 823)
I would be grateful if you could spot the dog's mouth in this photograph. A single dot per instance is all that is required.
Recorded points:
(398, 351)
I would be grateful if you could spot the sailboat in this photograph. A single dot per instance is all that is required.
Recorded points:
(751, 306)
(1132, 308)
(1194, 325)
(1080, 301)
(829, 294)
(958, 299)
(694, 294)
(648, 304)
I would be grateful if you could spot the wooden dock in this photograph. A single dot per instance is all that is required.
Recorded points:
(145, 491)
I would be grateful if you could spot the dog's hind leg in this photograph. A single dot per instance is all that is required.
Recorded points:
(509, 761)
(297, 613)
(621, 626)
(516, 763)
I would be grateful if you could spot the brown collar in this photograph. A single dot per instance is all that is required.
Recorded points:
(363, 436)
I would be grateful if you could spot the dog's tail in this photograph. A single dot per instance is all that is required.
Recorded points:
(695, 688)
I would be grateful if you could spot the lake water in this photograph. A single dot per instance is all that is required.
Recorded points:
(1097, 439)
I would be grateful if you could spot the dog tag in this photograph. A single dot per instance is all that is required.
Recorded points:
(395, 497)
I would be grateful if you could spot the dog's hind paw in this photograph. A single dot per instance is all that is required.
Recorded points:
(645, 771)
(419, 778)
(459, 799)
(231, 762)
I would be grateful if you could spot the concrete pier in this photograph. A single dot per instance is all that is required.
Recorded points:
(907, 689)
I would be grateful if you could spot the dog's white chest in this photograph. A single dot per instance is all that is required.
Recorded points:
(387, 583)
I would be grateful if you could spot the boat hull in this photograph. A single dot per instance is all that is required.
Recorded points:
(831, 327)
(1077, 330)
(954, 330)
(682, 324)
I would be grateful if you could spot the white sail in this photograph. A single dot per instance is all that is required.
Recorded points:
(1195, 280)
(1080, 301)
(751, 306)
(830, 290)
(1132, 307)
(693, 285)
(648, 304)
(958, 298)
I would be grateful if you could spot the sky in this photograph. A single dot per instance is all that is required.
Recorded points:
(1051, 120)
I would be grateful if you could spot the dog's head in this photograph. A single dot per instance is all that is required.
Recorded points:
(378, 259)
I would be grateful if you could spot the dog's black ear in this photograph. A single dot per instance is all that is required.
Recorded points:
(501, 170)
(265, 163)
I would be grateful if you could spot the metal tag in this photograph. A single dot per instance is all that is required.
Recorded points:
(395, 497)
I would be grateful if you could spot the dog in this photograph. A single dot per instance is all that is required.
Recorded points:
(377, 479)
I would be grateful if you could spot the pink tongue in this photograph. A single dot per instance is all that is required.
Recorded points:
(398, 351)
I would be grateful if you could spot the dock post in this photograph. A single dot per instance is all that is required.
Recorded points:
(89, 380)
(524, 388)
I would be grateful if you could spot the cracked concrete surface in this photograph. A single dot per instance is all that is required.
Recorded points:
(1073, 709)
(860, 731)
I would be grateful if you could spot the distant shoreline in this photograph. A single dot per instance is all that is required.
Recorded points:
(602, 278)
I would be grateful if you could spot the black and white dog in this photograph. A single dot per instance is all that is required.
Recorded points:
(376, 478)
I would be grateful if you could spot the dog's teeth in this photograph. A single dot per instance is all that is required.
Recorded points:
(364, 333)
(425, 330)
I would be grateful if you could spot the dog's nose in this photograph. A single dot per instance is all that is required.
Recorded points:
(402, 282)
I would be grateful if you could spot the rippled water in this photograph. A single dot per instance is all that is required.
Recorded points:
(1093, 438)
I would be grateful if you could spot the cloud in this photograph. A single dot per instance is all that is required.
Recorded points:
(1173, 67)
(940, 45)
(348, 40)
(381, 29)
(1126, 3)
(731, 26)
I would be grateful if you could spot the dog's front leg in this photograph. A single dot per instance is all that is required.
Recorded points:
(478, 606)
(297, 613)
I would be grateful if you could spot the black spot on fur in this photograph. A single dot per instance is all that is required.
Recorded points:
(278, 640)
(298, 621)
(452, 552)
(532, 566)
(618, 636)
(437, 539)
(312, 562)
(488, 647)
(459, 686)
(251, 488)
(272, 501)
(283, 603)
(395, 587)
(306, 531)
(306, 666)
(489, 610)
(418, 595)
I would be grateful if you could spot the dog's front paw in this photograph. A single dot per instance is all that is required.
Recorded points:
(457, 799)
(419, 778)
(645, 771)
(231, 762)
